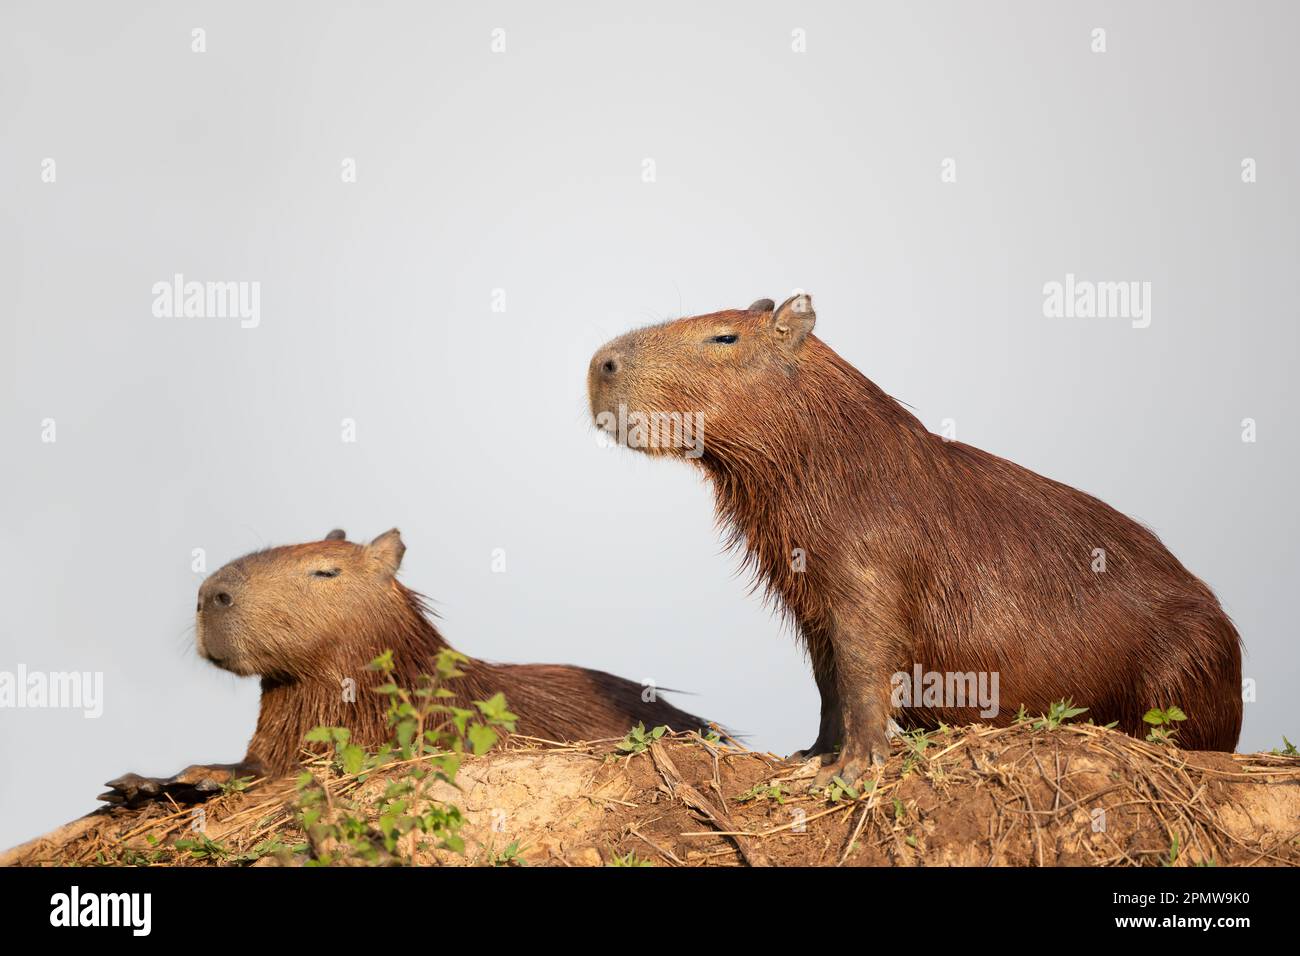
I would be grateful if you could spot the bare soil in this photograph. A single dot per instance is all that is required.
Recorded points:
(974, 796)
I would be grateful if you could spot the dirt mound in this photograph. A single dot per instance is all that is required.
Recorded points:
(1072, 795)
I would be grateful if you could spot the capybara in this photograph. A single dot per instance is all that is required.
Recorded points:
(308, 617)
(896, 551)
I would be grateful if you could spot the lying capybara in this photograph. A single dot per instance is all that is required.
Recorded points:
(896, 551)
(310, 617)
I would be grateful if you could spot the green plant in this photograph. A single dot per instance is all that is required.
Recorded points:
(839, 789)
(915, 742)
(1162, 723)
(202, 848)
(1057, 714)
(763, 791)
(506, 857)
(638, 739)
(1173, 852)
(429, 736)
(236, 785)
(134, 857)
(628, 859)
(273, 846)
(1288, 750)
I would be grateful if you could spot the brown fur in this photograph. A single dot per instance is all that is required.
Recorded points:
(306, 634)
(921, 550)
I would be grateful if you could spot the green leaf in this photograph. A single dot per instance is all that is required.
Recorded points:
(405, 731)
(852, 792)
(353, 758)
(495, 708)
(482, 738)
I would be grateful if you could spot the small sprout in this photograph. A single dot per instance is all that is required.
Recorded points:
(1173, 852)
(507, 857)
(763, 791)
(638, 739)
(1288, 749)
(202, 848)
(236, 785)
(916, 742)
(1162, 723)
(839, 789)
(1057, 714)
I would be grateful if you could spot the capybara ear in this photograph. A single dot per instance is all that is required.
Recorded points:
(338, 534)
(762, 305)
(794, 320)
(388, 550)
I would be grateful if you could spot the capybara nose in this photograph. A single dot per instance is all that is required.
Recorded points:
(607, 363)
(217, 593)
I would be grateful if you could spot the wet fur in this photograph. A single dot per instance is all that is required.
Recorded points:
(926, 551)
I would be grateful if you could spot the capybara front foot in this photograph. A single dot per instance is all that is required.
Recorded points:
(853, 762)
(815, 749)
(131, 790)
(194, 784)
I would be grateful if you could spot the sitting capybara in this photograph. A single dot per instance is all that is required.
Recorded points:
(308, 617)
(896, 551)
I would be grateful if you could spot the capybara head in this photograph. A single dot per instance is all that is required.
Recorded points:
(663, 388)
(277, 612)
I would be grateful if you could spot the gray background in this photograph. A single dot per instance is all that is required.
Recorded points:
(522, 171)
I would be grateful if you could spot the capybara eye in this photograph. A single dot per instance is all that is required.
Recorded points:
(724, 339)
(330, 573)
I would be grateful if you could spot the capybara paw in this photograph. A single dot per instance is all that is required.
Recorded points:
(852, 764)
(816, 749)
(194, 784)
(201, 778)
(131, 790)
